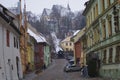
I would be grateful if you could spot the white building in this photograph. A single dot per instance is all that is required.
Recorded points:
(10, 61)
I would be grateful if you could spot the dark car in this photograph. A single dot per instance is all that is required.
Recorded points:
(71, 68)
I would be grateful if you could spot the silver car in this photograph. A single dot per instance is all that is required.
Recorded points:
(71, 68)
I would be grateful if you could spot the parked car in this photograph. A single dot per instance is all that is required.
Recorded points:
(71, 61)
(71, 68)
(69, 57)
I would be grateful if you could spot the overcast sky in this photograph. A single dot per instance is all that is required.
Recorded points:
(37, 6)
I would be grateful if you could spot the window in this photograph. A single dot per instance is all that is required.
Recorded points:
(94, 13)
(8, 38)
(108, 1)
(98, 34)
(96, 10)
(110, 55)
(104, 30)
(104, 56)
(70, 49)
(116, 23)
(66, 44)
(17, 43)
(70, 44)
(109, 27)
(14, 42)
(117, 57)
(103, 5)
(66, 49)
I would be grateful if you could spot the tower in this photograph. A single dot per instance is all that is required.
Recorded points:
(68, 7)
(25, 16)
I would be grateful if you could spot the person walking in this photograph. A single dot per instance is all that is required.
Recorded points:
(44, 66)
(84, 71)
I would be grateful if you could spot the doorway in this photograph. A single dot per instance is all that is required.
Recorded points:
(17, 65)
(10, 67)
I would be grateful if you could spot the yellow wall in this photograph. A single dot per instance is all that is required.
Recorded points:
(67, 44)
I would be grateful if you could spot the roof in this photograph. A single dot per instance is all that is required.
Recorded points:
(78, 35)
(9, 17)
(75, 33)
(46, 12)
(67, 39)
(37, 36)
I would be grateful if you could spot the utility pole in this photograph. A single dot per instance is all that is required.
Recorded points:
(19, 13)
(25, 35)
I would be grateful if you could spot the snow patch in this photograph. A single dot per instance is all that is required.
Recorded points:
(56, 42)
(75, 33)
(37, 37)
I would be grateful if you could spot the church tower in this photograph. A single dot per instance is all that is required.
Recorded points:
(68, 7)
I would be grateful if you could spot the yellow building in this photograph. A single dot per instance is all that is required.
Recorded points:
(67, 44)
(30, 47)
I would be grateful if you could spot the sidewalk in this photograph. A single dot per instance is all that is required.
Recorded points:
(30, 76)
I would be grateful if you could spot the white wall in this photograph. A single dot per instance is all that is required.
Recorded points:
(9, 53)
(2, 70)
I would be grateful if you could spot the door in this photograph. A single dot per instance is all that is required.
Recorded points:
(17, 64)
(10, 67)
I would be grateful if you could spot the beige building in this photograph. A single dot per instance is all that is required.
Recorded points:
(67, 44)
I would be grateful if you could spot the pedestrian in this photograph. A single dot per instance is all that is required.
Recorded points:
(44, 66)
(28, 67)
(84, 71)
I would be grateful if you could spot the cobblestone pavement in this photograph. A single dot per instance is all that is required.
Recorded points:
(55, 72)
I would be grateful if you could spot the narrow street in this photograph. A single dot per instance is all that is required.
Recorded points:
(55, 72)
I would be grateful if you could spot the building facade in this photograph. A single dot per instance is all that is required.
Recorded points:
(67, 45)
(78, 47)
(10, 61)
(103, 36)
(31, 49)
(47, 54)
(23, 37)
